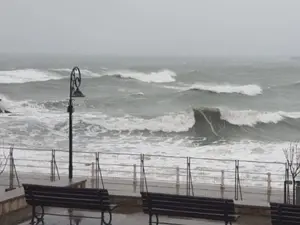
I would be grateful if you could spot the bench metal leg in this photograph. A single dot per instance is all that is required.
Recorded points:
(32, 215)
(36, 218)
(108, 220)
(150, 219)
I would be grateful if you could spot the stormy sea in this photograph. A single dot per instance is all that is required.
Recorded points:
(236, 108)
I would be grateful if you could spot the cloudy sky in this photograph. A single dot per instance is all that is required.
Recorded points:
(151, 27)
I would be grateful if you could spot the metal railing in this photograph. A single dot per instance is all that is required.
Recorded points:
(239, 179)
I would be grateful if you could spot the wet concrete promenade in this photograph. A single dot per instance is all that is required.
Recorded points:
(142, 219)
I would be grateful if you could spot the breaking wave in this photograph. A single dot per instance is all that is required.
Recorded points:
(27, 75)
(172, 122)
(162, 76)
(84, 72)
(34, 75)
(224, 122)
(202, 122)
(250, 89)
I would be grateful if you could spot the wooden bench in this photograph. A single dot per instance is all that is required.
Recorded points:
(155, 204)
(285, 214)
(67, 197)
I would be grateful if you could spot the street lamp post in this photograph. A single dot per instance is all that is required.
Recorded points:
(75, 81)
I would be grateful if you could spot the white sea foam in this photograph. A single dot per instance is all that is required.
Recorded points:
(251, 117)
(84, 72)
(249, 89)
(27, 75)
(89, 73)
(172, 122)
(162, 76)
(62, 70)
(184, 120)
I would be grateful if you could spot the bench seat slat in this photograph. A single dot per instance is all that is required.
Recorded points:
(287, 216)
(62, 204)
(286, 210)
(183, 208)
(193, 215)
(288, 220)
(284, 222)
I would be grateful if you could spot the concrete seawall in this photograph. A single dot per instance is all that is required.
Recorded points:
(254, 201)
(132, 203)
(254, 194)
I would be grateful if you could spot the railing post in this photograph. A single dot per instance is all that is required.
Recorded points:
(11, 169)
(187, 176)
(237, 182)
(134, 178)
(141, 174)
(52, 172)
(97, 172)
(287, 185)
(269, 187)
(93, 175)
(177, 180)
(222, 186)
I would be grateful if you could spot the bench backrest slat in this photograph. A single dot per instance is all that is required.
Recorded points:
(285, 214)
(70, 194)
(170, 203)
(183, 197)
(81, 198)
(34, 187)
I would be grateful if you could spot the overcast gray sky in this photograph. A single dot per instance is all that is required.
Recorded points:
(151, 27)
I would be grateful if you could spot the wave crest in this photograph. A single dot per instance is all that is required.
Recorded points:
(249, 89)
(202, 122)
(223, 122)
(27, 75)
(162, 76)
(246, 117)
(172, 122)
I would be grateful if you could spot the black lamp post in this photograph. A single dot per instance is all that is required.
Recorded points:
(75, 81)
